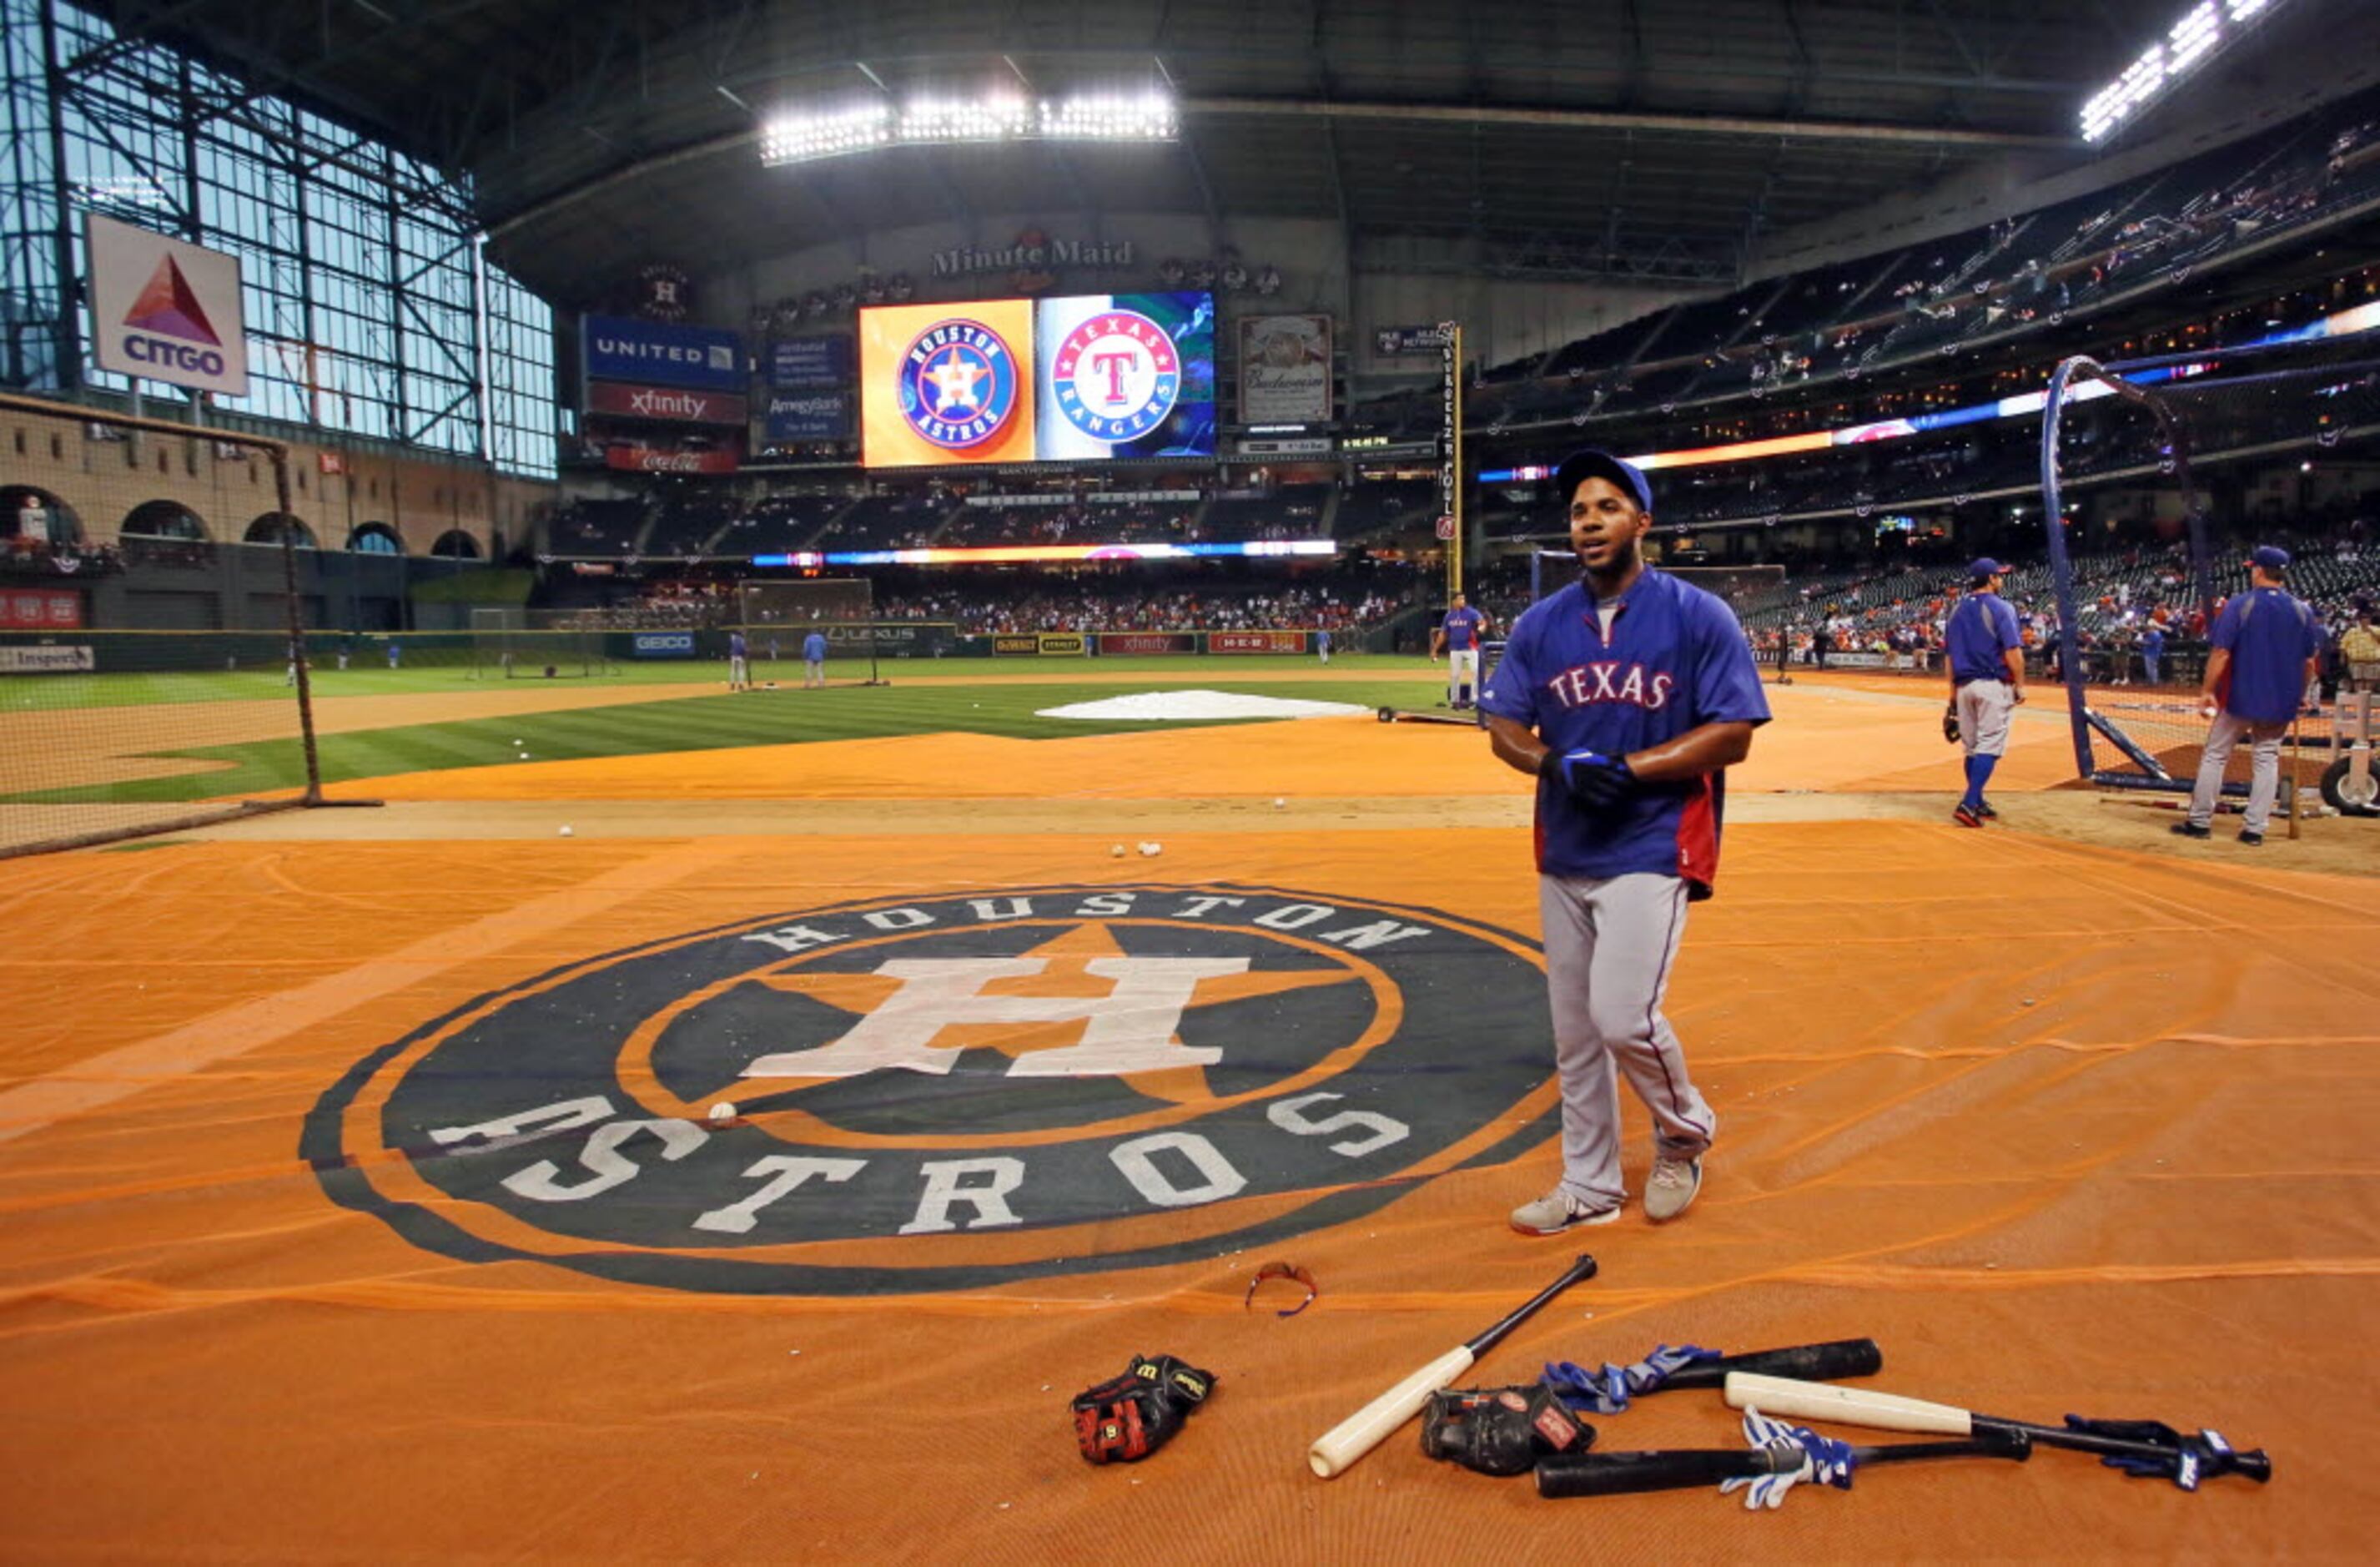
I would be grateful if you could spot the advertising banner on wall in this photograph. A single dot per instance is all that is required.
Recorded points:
(164, 309)
(807, 416)
(1255, 641)
(1406, 342)
(619, 399)
(652, 353)
(1285, 369)
(636, 456)
(40, 609)
(946, 383)
(1147, 641)
(810, 363)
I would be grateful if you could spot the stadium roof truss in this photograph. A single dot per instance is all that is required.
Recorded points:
(1653, 139)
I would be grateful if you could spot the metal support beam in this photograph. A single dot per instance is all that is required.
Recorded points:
(1601, 119)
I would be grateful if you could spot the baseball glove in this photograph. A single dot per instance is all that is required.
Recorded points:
(1501, 1430)
(1126, 1418)
(1951, 722)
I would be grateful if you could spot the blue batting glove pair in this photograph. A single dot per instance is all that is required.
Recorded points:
(1597, 781)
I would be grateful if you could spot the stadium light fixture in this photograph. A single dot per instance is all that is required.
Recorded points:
(1002, 114)
(2205, 30)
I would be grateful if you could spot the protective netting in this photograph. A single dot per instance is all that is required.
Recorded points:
(154, 669)
(2132, 647)
(777, 617)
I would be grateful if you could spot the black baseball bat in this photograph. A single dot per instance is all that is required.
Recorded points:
(1617, 1474)
(1805, 1363)
(1864, 1406)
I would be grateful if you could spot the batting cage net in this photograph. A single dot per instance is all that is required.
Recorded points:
(778, 618)
(2141, 438)
(509, 643)
(153, 666)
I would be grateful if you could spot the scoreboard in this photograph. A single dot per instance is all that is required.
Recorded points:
(1092, 377)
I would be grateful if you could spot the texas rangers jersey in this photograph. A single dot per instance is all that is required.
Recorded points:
(1981, 630)
(2270, 634)
(1675, 660)
(1462, 629)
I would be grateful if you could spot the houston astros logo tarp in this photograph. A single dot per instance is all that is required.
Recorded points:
(943, 1093)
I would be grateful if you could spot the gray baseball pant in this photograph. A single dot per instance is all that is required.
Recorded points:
(1610, 943)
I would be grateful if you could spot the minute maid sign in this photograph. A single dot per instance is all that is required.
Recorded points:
(164, 309)
(943, 1092)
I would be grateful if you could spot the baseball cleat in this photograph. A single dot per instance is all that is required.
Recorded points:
(2253, 839)
(1966, 815)
(1986, 812)
(2191, 829)
(1558, 1211)
(1671, 1190)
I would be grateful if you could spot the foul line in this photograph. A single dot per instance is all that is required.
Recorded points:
(126, 1070)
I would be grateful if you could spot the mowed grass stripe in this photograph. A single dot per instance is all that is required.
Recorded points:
(764, 717)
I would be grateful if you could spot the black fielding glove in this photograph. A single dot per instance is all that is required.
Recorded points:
(1951, 722)
(1126, 1418)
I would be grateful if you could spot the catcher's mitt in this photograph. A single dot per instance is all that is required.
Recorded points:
(1951, 722)
(1501, 1430)
(1126, 1418)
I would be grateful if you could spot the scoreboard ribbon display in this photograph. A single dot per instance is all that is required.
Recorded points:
(1084, 378)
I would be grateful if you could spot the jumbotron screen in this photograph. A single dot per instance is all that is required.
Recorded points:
(1089, 377)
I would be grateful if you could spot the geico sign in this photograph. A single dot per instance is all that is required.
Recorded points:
(177, 356)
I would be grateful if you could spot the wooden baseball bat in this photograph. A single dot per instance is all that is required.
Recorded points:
(1891, 1412)
(1340, 1447)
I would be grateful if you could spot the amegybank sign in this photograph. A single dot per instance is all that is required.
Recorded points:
(164, 309)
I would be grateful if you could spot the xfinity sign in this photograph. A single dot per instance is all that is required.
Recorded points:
(164, 309)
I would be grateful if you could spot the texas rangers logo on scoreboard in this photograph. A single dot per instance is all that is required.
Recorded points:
(959, 384)
(1116, 376)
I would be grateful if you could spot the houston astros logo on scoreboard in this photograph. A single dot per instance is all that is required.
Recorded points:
(958, 385)
(1116, 376)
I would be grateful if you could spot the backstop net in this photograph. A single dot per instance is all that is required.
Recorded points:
(2157, 438)
(778, 618)
(154, 652)
(511, 643)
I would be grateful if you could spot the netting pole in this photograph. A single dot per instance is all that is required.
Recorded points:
(2059, 563)
(298, 661)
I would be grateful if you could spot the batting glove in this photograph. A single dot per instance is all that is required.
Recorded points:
(1821, 1460)
(1608, 1391)
(1597, 781)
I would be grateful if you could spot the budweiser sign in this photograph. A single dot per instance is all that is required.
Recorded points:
(616, 399)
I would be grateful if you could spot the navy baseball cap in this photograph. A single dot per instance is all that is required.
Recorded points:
(2272, 557)
(1579, 467)
(1983, 566)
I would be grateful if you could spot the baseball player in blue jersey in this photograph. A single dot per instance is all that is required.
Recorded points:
(1626, 694)
(1457, 638)
(1986, 653)
(739, 668)
(814, 659)
(2265, 644)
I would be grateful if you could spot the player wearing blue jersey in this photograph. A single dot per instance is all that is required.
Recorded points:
(1626, 695)
(1986, 653)
(1456, 639)
(739, 668)
(814, 659)
(2266, 642)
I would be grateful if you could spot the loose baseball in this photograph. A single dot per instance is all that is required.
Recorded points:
(1152, 851)
(566, 830)
(1279, 803)
(724, 1110)
(1115, 851)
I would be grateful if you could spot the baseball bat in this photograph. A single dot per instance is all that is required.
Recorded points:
(1358, 1434)
(1807, 1362)
(1891, 1412)
(1618, 1474)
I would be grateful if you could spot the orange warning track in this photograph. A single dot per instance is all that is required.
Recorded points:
(2063, 1128)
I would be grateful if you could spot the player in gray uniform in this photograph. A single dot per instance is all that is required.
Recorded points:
(1627, 693)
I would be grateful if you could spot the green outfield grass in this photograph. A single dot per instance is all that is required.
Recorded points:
(265, 683)
(991, 703)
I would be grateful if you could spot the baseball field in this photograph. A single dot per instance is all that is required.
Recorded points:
(676, 1124)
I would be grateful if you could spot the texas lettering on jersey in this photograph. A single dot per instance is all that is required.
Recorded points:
(1603, 682)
